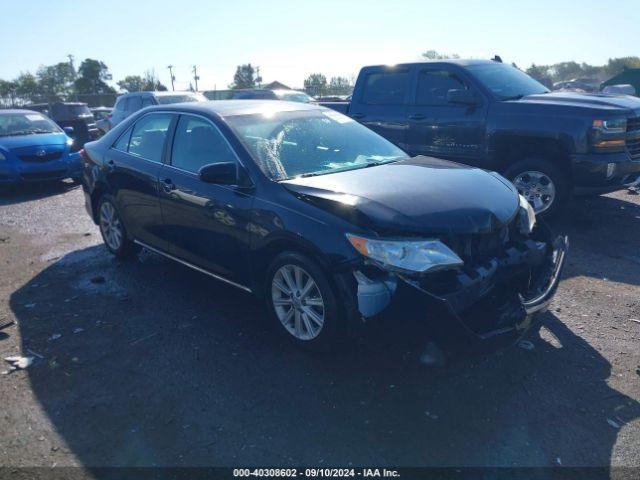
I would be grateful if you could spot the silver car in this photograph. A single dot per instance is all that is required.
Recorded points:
(132, 102)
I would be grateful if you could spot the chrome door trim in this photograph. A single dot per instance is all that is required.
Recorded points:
(190, 265)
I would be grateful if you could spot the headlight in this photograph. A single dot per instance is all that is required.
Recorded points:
(614, 125)
(410, 255)
(527, 217)
(608, 136)
(69, 141)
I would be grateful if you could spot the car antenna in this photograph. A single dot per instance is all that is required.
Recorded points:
(497, 58)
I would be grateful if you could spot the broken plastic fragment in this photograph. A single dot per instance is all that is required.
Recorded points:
(20, 362)
(613, 423)
(526, 344)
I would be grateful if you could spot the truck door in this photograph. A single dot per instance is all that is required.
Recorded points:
(440, 128)
(381, 104)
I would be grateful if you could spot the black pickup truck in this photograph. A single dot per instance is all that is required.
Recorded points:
(494, 116)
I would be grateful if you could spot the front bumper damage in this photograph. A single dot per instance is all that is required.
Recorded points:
(493, 301)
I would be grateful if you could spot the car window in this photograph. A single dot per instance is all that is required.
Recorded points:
(386, 88)
(197, 143)
(148, 135)
(135, 104)
(122, 143)
(147, 102)
(433, 86)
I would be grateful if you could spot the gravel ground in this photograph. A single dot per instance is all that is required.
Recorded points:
(149, 363)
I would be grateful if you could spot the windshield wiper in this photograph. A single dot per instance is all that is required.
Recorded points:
(514, 97)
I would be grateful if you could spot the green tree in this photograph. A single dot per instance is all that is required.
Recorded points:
(339, 86)
(136, 83)
(616, 65)
(434, 55)
(244, 77)
(316, 84)
(56, 80)
(27, 86)
(541, 74)
(152, 83)
(92, 77)
(131, 83)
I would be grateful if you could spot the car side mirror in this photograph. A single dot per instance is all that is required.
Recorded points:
(223, 173)
(68, 130)
(462, 97)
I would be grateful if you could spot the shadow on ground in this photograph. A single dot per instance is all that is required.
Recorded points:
(173, 368)
(33, 191)
(604, 233)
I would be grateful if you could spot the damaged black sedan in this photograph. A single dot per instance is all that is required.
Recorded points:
(324, 219)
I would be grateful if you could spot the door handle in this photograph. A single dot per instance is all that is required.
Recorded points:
(168, 185)
(357, 115)
(416, 116)
(111, 165)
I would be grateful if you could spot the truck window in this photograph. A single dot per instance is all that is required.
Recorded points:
(135, 103)
(386, 88)
(433, 86)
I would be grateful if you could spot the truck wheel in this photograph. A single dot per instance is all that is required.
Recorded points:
(302, 302)
(112, 230)
(543, 184)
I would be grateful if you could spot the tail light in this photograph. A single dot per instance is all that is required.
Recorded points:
(84, 155)
(109, 115)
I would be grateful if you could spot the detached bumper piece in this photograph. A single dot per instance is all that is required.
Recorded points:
(492, 302)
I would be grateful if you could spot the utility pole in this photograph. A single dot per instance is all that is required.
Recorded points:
(258, 77)
(71, 57)
(195, 76)
(170, 67)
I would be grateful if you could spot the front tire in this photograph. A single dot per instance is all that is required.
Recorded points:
(542, 183)
(113, 230)
(302, 302)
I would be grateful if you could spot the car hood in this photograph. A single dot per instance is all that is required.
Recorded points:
(421, 195)
(586, 100)
(34, 140)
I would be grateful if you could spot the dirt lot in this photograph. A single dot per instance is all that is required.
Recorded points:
(149, 363)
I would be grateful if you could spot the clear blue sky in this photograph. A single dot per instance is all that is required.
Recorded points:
(291, 39)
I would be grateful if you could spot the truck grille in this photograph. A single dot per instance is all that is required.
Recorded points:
(41, 158)
(633, 124)
(633, 141)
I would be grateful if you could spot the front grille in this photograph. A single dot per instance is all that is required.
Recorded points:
(633, 140)
(475, 249)
(633, 124)
(633, 147)
(41, 158)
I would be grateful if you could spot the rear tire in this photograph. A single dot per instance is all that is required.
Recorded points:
(302, 302)
(542, 183)
(113, 231)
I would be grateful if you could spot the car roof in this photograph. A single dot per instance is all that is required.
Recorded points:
(464, 62)
(18, 110)
(229, 108)
(159, 93)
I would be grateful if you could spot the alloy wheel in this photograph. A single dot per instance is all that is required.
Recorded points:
(298, 302)
(537, 188)
(110, 226)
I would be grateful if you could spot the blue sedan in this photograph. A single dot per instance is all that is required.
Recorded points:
(33, 148)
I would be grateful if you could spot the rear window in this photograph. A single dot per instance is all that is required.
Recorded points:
(386, 88)
(135, 104)
(166, 99)
(70, 110)
(121, 104)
